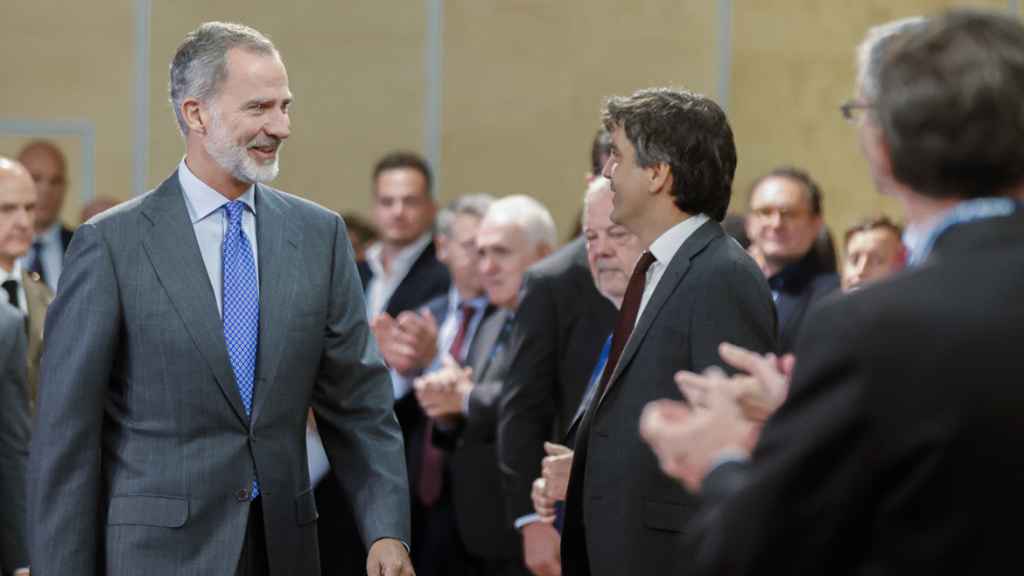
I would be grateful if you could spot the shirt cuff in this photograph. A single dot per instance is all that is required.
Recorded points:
(728, 456)
(524, 520)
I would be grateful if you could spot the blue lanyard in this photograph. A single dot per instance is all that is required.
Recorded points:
(967, 211)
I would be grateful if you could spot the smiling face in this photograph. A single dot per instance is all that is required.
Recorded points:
(247, 121)
(630, 183)
(782, 223)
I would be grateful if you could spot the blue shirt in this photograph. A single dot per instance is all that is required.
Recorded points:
(210, 223)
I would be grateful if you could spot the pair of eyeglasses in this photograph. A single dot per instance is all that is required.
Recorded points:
(852, 110)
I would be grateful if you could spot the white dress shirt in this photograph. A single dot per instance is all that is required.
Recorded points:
(15, 274)
(384, 283)
(664, 249)
(210, 223)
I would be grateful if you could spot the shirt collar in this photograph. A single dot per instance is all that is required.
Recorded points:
(796, 275)
(51, 235)
(402, 261)
(666, 246)
(14, 274)
(202, 200)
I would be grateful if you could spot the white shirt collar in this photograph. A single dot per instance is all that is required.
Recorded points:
(666, 246)
(14, 274)
(402, 261)
(202, 200)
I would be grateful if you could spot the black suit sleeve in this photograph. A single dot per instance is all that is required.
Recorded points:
(788, 511)
(527, 403)
(14, 438)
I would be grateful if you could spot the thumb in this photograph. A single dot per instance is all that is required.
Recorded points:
(553, 449)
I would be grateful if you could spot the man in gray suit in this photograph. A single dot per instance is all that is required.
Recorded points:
(193, 328)
(14, 434)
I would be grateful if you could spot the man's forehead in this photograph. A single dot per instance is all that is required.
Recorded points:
(779, 190)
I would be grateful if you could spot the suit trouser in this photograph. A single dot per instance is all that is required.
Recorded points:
(253, 560)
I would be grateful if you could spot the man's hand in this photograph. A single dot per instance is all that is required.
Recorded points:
(408, 343)
(388, 557)
(417, 332)
(766, 385)
(541, 549)
(555, 469)
(443, 393)
(542, 504)
(688, 439)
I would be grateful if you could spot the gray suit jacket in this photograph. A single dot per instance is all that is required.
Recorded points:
(623, 514)
(14, 432)
(143, 455)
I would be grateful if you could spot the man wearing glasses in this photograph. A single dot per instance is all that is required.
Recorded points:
(784, 221)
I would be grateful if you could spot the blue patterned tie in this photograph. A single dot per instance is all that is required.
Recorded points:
(241, 306)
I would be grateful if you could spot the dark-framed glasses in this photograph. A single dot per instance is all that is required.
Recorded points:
(853, 110)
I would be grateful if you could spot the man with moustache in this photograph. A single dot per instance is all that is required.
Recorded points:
(193, 329)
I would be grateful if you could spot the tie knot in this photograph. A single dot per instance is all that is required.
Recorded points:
(234, 211)
(642, 265)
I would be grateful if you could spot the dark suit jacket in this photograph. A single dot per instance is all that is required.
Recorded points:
(623, 515)
(65, 236)
(143, 455)
(478, 503)
(799, 286)
(427, 279)
(559, 329)
(899, 449)
(14, 439)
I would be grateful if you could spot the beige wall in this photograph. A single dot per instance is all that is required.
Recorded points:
(522, 83)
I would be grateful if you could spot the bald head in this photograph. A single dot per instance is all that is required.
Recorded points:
(17, 207)
(48, 167)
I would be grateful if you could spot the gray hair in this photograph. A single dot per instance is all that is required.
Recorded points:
(596, 185)
(470, 205)
(872, 49)
(200, 63)
(527, 213)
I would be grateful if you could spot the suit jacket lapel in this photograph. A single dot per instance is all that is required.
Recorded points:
(673, 275)
(278, 240)
(481, 350)
(174, 253)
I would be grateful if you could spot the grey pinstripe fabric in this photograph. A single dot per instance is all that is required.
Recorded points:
(143, 451)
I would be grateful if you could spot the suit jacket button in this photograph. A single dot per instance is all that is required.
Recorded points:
(242, 495)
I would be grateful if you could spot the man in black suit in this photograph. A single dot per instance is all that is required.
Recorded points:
(784, 225)
(516, 232)
(897, 451)
(49, 169)
(560, 327)
(671, 168)
(400, 274)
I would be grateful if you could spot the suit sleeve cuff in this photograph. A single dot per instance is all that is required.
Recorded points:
(524, 520)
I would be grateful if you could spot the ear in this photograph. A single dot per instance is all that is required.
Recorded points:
(441, 248)
(195, 117)
(659, 178)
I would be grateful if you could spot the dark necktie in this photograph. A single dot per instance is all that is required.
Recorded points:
(432, 465)
(37, 260)
(11, 287)
(627, 319)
